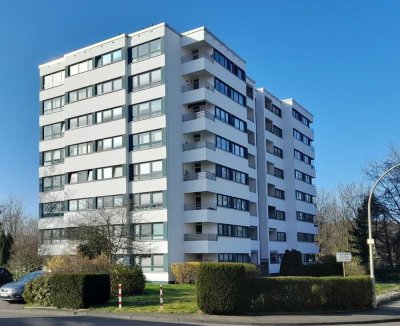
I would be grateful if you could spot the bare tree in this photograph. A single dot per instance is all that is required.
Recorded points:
(12, 215)
(108, 231)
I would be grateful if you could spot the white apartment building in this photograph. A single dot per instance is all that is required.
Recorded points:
(220, 170)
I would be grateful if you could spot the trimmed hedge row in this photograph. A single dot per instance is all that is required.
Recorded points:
(225, 288)
(221, 288)
(71, 291)
(310, 293)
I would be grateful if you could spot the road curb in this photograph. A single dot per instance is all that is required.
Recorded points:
(229, 320)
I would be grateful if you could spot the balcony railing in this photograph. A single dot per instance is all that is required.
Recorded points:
(200, 54)
(201, 237)
(197, 85)
(197, 145)
(198, 115)
(198, 207)
(188, 176)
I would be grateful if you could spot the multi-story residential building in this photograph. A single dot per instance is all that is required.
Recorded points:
(220, 170)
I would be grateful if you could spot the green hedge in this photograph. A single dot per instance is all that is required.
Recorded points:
(323, 269)
(221, 288)
(310, 294)
(71, 291)
(132, 279)
(388, 275)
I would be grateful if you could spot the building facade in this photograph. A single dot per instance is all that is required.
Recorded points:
(217, 169)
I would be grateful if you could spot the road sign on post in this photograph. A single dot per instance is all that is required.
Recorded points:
(343, 257)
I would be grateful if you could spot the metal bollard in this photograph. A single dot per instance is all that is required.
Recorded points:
(161, 297)
(120, 296)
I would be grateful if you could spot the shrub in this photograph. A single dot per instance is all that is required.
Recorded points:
(37, 291)
(291, 264)
(323, 269)
(185, 273)
(311, 294)
(221, 288)
(132, 279)
(78, 264)
(76, 291)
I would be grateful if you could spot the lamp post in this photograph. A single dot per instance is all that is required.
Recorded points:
(370, 240)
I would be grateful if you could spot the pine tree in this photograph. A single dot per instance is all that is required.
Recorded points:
(291, 264)
(359, 230)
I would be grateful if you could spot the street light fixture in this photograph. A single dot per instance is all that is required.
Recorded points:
(370, 240)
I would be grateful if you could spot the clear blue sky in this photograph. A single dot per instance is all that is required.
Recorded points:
(340, 59)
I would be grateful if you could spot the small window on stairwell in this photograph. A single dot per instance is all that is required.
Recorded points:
(196, 138)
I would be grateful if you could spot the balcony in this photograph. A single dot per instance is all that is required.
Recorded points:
(198, 55)
(196, 207)
(189, 176)
(198, 145)
(201, 237)
(198, 115)
(197, 85)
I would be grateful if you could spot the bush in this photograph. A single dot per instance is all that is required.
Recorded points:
(78, 264)
(185, 273)
(76, 291)
(291, 264)
(37, 291)
(311, 294)
(322, 269)
(221, 288)
(132, 280)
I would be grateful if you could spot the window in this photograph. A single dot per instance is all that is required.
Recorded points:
(302, 196)
(232, 202)
(82, 121)
(53, 105)
(275, 214)
(303, 157)
(234, 258)
(109, 144)
(229, 65)
(308, 258)
(81, 204)
(52, 157)
(109, 172)
(110, 201)
(303, 138)
(227, 230)
(146, 50)
(54, 79)
(278, 152)
(53, 183)
(303, 176)
(306, 237)
(109, 86)
(147, 110)
(228, 91)
(80, 67)
(306, 217)
(298, 116)
(109, 115)
(80, 149)
(55, 130)
(278, 173)
(151, 231)
(108, 58)
(150, 263)
(148, 200)
(80, 94)
(280, 194)
(231, 174)
(272, 128)
(275, 258)
(52, 236)
(53, 209)
(228, 146)
(230, 119)
(147, 139)
(249, 91)
(148, 170)
(146, 80)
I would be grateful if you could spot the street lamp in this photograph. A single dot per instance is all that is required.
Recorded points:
(370, 240)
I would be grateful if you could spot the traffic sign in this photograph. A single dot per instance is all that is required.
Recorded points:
(343, 257)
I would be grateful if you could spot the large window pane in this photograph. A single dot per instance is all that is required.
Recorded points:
(156, 76)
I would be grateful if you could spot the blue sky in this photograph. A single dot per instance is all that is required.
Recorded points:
(340, 59)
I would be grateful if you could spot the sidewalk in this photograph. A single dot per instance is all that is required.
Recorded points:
(385, 313)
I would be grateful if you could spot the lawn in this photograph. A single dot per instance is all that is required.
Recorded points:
(383, 288)
(177, 299)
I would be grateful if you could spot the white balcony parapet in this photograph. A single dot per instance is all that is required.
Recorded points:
(197, 145)
(201, 237)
